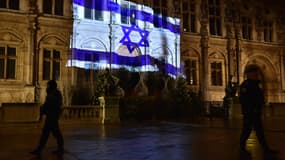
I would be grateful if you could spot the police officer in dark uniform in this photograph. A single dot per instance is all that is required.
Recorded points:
(252, 102)
(52, 109)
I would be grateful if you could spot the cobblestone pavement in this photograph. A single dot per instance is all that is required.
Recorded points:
(203, 139)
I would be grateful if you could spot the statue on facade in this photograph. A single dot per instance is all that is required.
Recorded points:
(230, 92)
(231, 88)
(106, 85)
(37, 92)
(33, 6)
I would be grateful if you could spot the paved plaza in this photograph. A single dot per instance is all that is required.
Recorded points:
(203, 139)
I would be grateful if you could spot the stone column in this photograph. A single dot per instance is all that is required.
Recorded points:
(230, 38)
(34, 27)
(237, 26)
(237, 51)
(282, 66)
(197, 12)
(204, 76)
(228, 100)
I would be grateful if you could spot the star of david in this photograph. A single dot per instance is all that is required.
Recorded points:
(126, 40)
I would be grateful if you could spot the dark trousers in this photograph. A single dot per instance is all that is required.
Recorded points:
(250, 122)
(51, 125)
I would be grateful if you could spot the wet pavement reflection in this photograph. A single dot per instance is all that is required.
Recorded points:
(152, 141)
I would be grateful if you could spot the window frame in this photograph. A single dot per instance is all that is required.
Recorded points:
(214, 81)
(93, 13)
(52, 7)
(160, 10)
(192, 70)
(130, 19)
(246, 27)
(268, 31)
(190, 13)
(215, 18)
(6, 58)
(51, 61)
(8, 4)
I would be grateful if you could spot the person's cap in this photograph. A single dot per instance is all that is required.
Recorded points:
(52, 83)
(250, 69)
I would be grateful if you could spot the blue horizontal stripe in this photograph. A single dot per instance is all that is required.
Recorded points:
(107, 5)
(79, 2)
(100, 5)
(142, 60)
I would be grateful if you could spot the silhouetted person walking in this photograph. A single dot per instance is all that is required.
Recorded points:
(252, 102)
(52, 109)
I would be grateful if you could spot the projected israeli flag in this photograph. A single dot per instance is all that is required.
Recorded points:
(118, 33)
(127, 39)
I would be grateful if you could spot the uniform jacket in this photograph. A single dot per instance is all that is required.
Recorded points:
(52, 105)
(251, 97)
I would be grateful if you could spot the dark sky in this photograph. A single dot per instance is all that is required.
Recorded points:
(274, 1)
(279, 5)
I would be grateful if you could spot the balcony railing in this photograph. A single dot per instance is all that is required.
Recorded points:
(30, 112)
(78, 112)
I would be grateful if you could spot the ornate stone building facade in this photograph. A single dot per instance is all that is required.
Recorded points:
(219, 39)
(34, 46)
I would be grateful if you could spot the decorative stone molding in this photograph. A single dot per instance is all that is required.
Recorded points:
(8, 36)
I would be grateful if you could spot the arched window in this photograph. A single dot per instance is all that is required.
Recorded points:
(216, 69)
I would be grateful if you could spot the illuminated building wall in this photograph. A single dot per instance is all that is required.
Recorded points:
(110, 34)
(31, 30)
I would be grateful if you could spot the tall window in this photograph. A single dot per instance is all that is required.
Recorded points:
(216, 74)
(128, 13)
(124, 13)
(215, 17)
(10, 4)
(246, 28)
(191, 71)
(160, 13)
(53, 7)
(189, 18)
(51, 64)
(7, 62)
(268, 29)
(90, 11)
(133, 14)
